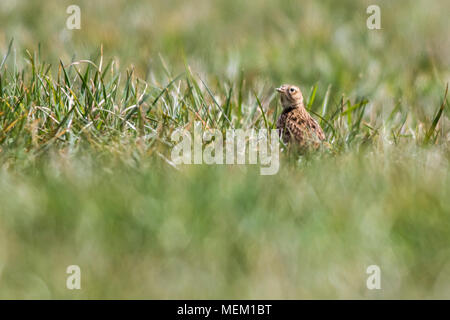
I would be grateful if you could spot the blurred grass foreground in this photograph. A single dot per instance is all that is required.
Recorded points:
(86, 179)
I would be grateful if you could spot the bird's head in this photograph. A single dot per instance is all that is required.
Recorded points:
(290, 96)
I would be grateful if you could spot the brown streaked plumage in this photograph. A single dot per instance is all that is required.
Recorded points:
(295, 123)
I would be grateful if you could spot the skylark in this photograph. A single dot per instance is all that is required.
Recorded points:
(295, 123)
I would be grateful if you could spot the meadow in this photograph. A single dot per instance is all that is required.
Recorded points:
(86, 176)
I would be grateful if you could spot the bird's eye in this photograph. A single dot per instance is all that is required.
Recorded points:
(292, 90)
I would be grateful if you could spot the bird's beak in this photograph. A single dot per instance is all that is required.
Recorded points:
(280, 89)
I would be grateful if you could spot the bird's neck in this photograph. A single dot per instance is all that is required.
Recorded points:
(299, 106)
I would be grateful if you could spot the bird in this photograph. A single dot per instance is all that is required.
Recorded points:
(295, 124)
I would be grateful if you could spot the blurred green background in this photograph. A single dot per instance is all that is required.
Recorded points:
(140, 229)
(304, 42)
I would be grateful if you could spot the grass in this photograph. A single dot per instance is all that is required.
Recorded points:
(86, 178)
